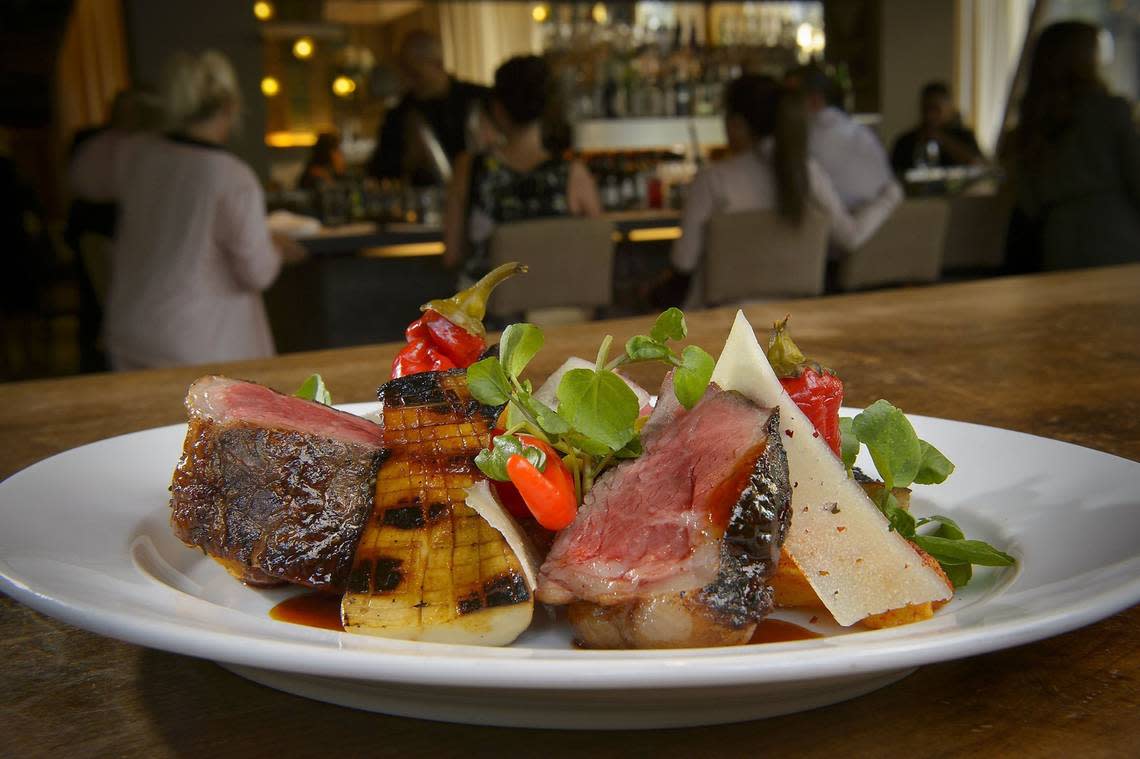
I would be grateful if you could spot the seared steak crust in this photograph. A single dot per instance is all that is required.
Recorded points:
(280, 505)
(756, 529)
(275, 488)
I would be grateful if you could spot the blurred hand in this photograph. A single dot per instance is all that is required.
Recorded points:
(290, 250)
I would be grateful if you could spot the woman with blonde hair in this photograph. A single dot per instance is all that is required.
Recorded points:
(192, 252)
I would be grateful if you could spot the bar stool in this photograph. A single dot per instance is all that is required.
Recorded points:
(752, 255)
(571, 262)
(906, 249)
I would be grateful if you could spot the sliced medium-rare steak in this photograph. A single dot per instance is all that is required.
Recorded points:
(675, 548)
(428, 566)
(275, 488)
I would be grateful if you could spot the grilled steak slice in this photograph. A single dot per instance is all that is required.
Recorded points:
(428, 567)
(675, 548)
(275, 488)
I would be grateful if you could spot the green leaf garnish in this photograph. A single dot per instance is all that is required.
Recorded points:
(670, 325)
(548, 420)
(587, 445)
(488, 383)
(892, 442)
(933, 468)
(848, 443)
(691, 378)
(901, 520)
(313, 389)
(518, 345)
(642, 348)
(596, 422)
(493, 462)
(598, 404)
(972, 551)
(958, 574)
(631, 450)
(902, 459)
(947, 527)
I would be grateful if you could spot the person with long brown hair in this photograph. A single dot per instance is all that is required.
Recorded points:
(518, 179)
(771, 170)
(1075, 157)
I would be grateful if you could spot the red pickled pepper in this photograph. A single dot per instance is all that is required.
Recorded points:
(450, 334)
(817, 391)
(549, 494)
(524, 497)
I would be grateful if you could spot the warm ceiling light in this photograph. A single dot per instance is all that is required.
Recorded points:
(343, 86)
(263, 11)
(303, 48)
(804, 35)
(270, 86)
(540, 12)
(600, 14)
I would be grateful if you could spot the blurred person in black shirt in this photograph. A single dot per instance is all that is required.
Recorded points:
(1074, 160)
(434, 99)
(939, 139)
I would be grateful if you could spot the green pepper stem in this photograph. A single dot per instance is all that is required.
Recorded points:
(467, 308)
(784, 355)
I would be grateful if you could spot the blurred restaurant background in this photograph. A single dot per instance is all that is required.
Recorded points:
(337, 163)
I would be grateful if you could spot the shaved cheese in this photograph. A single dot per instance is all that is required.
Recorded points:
(838, 537)
(482, 499)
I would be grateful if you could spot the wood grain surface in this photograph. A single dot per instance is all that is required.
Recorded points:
(1055, 355)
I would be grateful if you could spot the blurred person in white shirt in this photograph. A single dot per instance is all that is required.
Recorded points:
(192, 252)
(770, 169)
(848, 151)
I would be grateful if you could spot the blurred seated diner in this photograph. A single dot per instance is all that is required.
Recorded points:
(770, 170)
(849, 152)
(517, 179)
(940, 139)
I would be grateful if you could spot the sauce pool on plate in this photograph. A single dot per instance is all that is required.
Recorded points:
(312, 609)
(779, 631)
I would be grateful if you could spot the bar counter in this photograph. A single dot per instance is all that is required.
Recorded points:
(1053, 355)
(361, 280)
(400, 240)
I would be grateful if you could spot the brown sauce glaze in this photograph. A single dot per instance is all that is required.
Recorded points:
(311, 609)
(779, 631)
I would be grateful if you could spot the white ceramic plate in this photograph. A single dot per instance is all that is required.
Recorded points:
(84, 537)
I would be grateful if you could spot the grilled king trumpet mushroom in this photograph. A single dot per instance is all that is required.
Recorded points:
(428, 566)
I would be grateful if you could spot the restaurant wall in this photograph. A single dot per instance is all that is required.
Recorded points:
(917, 46)
(157, 29)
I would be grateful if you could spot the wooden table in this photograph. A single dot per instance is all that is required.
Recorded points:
(1055, 355)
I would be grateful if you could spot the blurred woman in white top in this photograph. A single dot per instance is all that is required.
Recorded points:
(769, 169)
(192, 252)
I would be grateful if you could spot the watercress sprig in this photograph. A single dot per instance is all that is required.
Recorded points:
(902, 459)
(596, 422)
